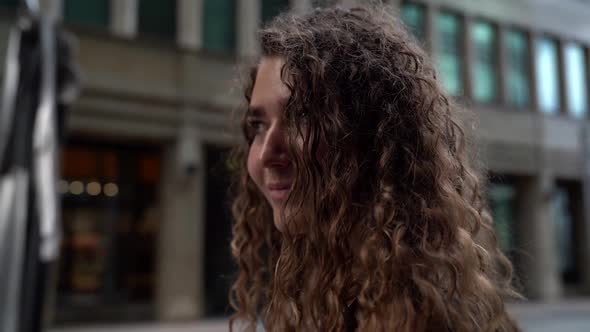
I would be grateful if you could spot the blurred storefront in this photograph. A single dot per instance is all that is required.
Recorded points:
(146, 217)
(110, 218)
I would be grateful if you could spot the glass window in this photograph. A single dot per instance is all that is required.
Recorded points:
(219, 25)
(564, 233)
(517, 66)
(271, 8)
(110, 219)
(483, 37)
(218, 229)
(8, 3)
(413, 16)
(448, 53)
(88, 12)
(157, 18)
(502, 198)
(547, 75)
(576, 80)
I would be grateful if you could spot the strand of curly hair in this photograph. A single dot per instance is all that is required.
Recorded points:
(396, 233)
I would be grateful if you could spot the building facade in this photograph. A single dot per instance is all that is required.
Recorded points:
(143, 178)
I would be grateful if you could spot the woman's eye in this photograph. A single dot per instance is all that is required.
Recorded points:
(256, 126)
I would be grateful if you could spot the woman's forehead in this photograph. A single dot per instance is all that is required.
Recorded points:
(270, 93)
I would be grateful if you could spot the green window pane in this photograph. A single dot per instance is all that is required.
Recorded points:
(448, 52)
(517, 65)
(563, 230)
(413, 16)
(8, 3)
(271, 8)
(219, 25)
(87, 12)
(502, 200)
(157, 18)
(483, 37)
(576, 80)
(547, 75)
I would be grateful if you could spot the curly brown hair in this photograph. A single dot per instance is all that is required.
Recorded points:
(397, 235)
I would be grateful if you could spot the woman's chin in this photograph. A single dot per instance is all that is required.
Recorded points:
(287, 226)
(279, 221)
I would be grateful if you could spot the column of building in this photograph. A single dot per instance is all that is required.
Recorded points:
(124, 16)
(181, 290)
(468, 51)
(180, 293)
(189, 29)
(535, 238)
(500, 55)
(301, 6)
(249, 14)
(430, 38)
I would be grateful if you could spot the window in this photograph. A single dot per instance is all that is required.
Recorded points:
(217, 256)
(502, 199)
(517, 67)
(88, 12)
(271, 8)
(448, 53)
(563, 230)
(483, 37)
(157, 18)
(413, 16)
(219, 25)
(8, 3)
(110, 199)
(576, 80)
(547, 75)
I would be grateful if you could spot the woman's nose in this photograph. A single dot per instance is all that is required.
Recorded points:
(274, 150)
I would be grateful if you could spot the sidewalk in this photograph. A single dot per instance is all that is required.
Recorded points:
(571, 315)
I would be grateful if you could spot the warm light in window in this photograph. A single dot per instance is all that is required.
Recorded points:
(76, 187)
(93, 188)
(63, 186)
(111, 189)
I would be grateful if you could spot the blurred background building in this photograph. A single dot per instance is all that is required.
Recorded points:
(143, 176)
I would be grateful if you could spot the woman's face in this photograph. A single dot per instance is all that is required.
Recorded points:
(269, 165)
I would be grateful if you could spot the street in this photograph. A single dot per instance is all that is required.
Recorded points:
(563, 316)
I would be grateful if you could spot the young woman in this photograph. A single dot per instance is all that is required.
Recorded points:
(358, 205)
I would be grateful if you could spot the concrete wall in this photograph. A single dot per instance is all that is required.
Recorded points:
(139, 90)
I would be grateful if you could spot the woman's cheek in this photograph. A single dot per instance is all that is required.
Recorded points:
(254, 166)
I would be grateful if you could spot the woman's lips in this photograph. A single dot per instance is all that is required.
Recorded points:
(278, 192)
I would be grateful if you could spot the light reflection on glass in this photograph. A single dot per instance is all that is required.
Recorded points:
(547, 75)
(576, 80)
